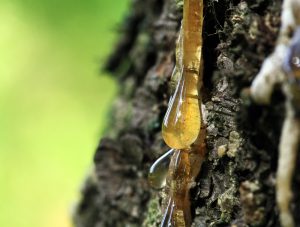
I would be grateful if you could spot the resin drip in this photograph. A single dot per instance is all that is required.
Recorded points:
(177, 211)
(159, 171)
(182, 127)
(184, 168)
(182, 122)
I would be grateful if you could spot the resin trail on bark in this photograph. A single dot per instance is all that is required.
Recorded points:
(184, 168)
(181, 127)
(177, 211)
(182, 122)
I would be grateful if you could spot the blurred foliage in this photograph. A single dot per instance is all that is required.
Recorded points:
(53, 103)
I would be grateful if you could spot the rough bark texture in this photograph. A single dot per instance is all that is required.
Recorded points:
(236, 186)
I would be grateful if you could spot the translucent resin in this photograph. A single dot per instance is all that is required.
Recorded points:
(177, 209)
(159, 170)
(182, 122)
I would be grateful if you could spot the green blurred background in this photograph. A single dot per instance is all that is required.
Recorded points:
(53, 103)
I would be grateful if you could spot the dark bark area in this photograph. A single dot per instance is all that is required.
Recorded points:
(236, 186)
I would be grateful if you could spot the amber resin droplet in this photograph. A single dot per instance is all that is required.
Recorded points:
(159, 170)
(182, 122)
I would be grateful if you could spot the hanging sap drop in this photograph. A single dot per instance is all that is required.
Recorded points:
(159, 170)
(182, 122)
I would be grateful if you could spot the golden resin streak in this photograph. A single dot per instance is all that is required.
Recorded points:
(182, 122)
(177, 211)
(184, 168)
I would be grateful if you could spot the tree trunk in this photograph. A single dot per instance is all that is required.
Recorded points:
(236, 185)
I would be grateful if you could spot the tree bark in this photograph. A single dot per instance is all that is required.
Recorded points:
(236, 185)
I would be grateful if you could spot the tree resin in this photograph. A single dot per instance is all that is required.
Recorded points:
(182, 122)
(177, 209)
(181, 129)
(159, 170)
